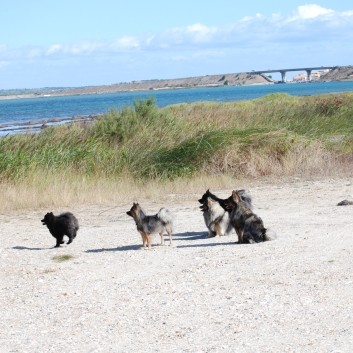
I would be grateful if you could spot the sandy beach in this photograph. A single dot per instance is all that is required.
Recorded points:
(293, 294)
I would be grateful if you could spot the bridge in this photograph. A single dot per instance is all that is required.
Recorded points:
(283, 72)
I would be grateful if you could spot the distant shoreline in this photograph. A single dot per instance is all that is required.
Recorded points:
(341, 73)
(21, 117)
(88, 92)
(239, 79)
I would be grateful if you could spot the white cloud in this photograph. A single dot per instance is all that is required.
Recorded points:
(200, 33)
(347, 13)
(84, 48)
(54, 49)
(127, 42)
(193, 34)
(75, 49)
(311, 11)
(307, 25)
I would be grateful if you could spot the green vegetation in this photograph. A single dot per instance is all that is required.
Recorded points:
(276, 134)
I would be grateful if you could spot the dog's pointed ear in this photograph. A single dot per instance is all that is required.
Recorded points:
(235, 195)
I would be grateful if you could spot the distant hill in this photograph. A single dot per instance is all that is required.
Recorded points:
(236, 79)
(339, 73)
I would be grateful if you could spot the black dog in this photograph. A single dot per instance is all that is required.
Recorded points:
(64, 224)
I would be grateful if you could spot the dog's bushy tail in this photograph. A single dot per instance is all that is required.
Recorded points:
(165, 216)
(270, 235)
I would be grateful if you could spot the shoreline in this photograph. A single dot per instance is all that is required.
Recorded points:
(112, 91)
(61, 116)
(339, 73)
(37, 125)
(235, 79)
(97, 90)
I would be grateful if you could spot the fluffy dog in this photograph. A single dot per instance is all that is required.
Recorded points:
(148, 225)
(216, 218)
(248, 226)
(64, 224)
(211, 215)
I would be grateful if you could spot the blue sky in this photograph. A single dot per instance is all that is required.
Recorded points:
(70, 43)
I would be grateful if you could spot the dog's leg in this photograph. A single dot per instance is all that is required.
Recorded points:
(149, 241)
(239, 234)
(162, 238)
(169, 230)
(70, 239)
(170, 237)
(240, 237)
(144, 239)
(211, 233)
(59, 240)
(218, 230)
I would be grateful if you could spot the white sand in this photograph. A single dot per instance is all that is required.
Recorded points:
(294, 294)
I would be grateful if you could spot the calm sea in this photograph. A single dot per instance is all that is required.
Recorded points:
(18, 114)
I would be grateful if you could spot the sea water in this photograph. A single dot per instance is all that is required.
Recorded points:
(16, 115)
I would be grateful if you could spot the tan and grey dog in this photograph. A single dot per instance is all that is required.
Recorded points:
(248, 226)
(149, 225)
(216, 218)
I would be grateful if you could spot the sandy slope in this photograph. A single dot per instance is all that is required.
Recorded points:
(294, 294)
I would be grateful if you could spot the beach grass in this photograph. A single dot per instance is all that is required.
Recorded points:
(142, 148)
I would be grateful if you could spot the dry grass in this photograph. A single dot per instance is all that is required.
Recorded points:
(58, 191)
(301, 159)
(44, 191)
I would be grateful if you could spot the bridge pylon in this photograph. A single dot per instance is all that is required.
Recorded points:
(283, 74)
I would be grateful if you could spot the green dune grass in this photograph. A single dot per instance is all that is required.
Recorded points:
(276, 135)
